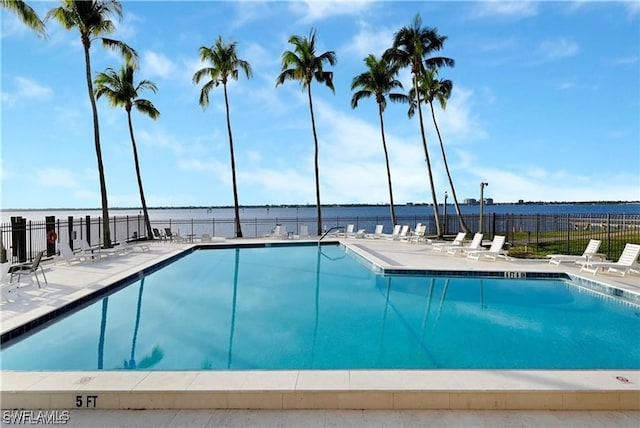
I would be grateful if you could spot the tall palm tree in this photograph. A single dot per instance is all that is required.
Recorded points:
(432, 89)
(92, 19)
(304, 65)
(26, 14)
(224, 66)
(120, 90)
(379, 80)
(412, 47)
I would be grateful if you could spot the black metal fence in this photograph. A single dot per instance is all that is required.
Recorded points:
(21, 240)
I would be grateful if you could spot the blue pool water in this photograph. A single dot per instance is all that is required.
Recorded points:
(301, 308)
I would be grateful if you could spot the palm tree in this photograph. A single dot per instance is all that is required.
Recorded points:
(431, 89)
(120, 90)
(379, 80)
(91, 19)
(412, 47)
(224, 66)
(302, 64)
(26, 14)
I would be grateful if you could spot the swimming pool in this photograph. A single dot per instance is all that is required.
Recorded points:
(299, 308)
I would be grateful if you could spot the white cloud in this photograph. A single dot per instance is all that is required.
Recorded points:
(505, 9)
(26, 88)
(55, 177)
(317, 10)
(552, 50)
(368, 41)
(157, 64)
(457, 123)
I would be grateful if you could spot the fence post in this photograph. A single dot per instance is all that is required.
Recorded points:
(18, 244)
(70, 230)
(50, 226)
(30, 241)
(87, 226)
(114, 237)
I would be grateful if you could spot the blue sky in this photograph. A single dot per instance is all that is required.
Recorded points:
(545, 107)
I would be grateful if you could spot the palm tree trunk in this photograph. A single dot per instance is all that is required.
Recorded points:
(106, 231)
(426, 154)
(386, 158)
(315, 140)
(145, 212)
(463, 226)
(233, 169)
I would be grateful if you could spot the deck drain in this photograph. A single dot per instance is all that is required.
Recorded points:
(623, 379)
(84, 380)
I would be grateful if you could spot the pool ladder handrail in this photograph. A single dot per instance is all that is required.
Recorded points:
(327, 232)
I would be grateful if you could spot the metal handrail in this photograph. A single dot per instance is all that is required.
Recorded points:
(327, 232)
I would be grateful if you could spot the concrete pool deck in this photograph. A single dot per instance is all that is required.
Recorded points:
(387, 390)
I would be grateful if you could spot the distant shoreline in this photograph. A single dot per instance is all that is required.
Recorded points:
(323, 205)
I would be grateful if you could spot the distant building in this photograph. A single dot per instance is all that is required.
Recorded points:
(471, 201)
(488, 201)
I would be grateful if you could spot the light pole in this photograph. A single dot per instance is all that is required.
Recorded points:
(445, 211)
(482, 185)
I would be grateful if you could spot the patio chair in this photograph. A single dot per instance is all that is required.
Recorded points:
(419, 234)
(98, 252)
(157, 235)
(128, 247)
(443, 246)
(8, 289)
(303, 233)
(396, 232)
(626, 262)
(69, 256)
(30, 268)
(492, 253)
(360, 233)
(377, 233)
(589, 253)
(475, 245)
(348, 231)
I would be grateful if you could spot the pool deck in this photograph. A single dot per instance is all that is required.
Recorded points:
(617, 392)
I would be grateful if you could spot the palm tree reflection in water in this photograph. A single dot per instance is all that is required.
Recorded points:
(156, 353)
(233, 306)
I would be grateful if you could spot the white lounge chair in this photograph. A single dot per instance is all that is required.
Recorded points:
(100, 252)
(67, 255)
(589, 253)
(492, 253)
(360, 233)
(443, 246)
(626, 262)
(377, 233)
(404, 230)
(30, 268)
(128, 247)
(303, 232)
(280, 231)
(418, 234)
(395, 233)
(475, 245)
(348, 231)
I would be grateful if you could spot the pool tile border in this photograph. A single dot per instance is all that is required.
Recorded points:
(353, 389)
